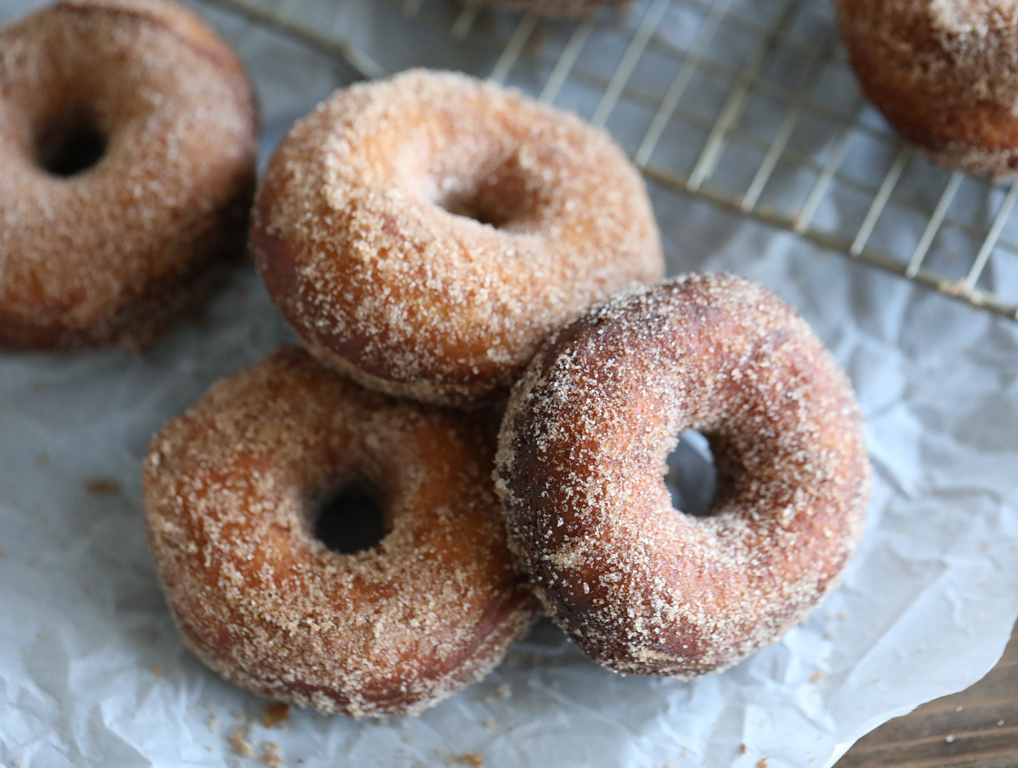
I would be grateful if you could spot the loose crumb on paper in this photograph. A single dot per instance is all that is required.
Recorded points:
(274, 714)
(213, 723)
(816, 677)
(270, 755)
(743, 749)
(239, 743)
(473, 759)
(102, 487)
(502, 691)
(761, 763)
(157, 670)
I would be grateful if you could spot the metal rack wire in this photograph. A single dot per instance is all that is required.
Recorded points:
(749, 105)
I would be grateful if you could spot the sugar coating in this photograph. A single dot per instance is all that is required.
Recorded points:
(641, 587)
(231, 489)
(109, 254)
(358, 233)
(944, 73)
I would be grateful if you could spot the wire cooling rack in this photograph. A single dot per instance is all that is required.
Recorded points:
(750, 105)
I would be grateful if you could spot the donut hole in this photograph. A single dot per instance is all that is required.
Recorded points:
(68, 147)
(496, 190)
(692, 477)
(350, 520)
(480, 208)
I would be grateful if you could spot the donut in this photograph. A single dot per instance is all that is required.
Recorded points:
(127, 153)
(423, 234)
(641, 587)
(944, 73)
(232, 489)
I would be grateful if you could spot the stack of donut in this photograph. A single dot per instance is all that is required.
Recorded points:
(439, 245)
(436, 242)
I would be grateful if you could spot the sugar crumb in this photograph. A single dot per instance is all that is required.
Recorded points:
(274, 714)
(270, 755)
(239, 743)
(102, 487)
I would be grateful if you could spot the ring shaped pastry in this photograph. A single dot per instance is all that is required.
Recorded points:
(641, 587)
(424, 234)
(944, 73)
(231, 490)
(127, 159)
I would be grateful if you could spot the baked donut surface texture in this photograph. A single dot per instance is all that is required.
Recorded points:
(643, 588)
(231, 492)
(127, 153)
(944, 73)
(424, 233)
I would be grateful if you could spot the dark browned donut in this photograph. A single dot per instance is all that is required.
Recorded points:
(104, 247)
(230, 492)
(582, 456)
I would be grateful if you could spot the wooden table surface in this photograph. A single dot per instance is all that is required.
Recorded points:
(977, 728)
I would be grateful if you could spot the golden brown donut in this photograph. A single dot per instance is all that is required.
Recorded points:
(944, 73)
(127, 152)
(641, 587)
(423, 234)
(231, 490)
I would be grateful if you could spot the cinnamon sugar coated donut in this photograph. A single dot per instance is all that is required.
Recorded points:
(127, 159)
(230, 492)
(641, 587)
(424, 233)
(944, 73)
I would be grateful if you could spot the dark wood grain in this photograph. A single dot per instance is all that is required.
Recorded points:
(977, 728)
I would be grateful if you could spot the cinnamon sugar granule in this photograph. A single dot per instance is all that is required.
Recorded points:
(274, 714)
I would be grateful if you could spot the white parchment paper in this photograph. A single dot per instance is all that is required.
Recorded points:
(92, 672)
